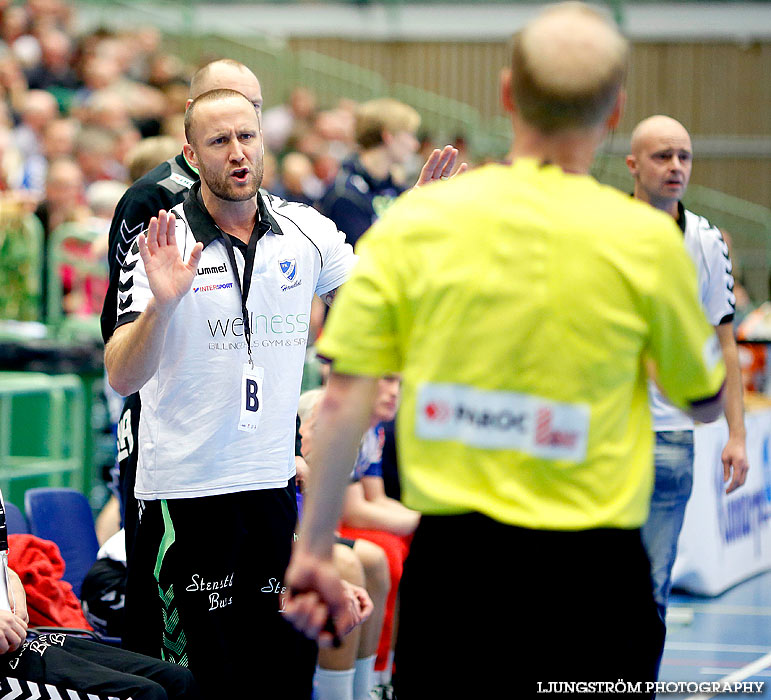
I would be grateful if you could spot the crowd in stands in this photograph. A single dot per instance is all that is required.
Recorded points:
(81, 110)
(84, 116)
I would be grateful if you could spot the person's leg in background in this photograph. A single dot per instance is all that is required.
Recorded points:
(337, 666)
(673, 457)
(378, 584)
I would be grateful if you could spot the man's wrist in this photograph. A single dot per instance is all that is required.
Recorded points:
(162, 310)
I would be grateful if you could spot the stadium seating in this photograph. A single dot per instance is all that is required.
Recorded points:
(64, 516)
(15, 520)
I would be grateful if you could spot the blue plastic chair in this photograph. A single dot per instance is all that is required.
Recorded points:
(64, 516)
(15, 520)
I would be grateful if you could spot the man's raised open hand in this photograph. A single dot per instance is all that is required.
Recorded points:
(440, 165)
(168, 275)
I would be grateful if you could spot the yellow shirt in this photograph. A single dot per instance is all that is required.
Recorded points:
(520, 303)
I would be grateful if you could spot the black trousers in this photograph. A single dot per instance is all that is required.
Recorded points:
(491, 610)
(75, 668)
(211, 570)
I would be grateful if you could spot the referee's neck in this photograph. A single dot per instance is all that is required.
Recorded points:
(573, 151)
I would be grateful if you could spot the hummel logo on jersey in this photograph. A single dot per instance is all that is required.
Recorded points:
(213, 269)
(288, 268)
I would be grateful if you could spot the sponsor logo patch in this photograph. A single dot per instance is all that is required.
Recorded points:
(503, 420)
(212, 287)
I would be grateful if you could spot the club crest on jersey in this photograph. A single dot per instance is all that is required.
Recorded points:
(288, 268)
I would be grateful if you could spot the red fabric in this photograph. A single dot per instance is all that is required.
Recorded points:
(396, 549)
(50, 601)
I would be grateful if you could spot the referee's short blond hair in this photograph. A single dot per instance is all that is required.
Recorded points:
(385, 114)
(568, 67)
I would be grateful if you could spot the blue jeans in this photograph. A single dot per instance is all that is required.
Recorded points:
(673, 457)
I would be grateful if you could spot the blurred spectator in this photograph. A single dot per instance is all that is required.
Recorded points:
(106, 109)
(149, 153)
(55, 68)
(15, 23)
(13, 84)
(145, 42)
(280, 122)
(40, 108)
(11, 164)
(338, 128)
(64, 201)
(298, 183)
(164, 69)
(84, 291)
(269, 172)
(102, 197)
(174, 126)
(59, 138)
(95, 153)
(53, 13)
(365, 185)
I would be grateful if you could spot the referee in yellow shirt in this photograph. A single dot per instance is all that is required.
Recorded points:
(522, 306)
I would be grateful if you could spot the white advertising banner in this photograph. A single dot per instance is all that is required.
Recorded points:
(726, 538)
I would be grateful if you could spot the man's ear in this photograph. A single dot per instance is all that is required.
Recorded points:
(187, 149)
(631, 163)
(507, 99)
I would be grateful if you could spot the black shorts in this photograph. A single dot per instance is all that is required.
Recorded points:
(218, 566)
(496, 602)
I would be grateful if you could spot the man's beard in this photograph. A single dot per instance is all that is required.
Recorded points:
(222, 187)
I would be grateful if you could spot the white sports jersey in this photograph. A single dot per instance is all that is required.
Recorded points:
(190, 443)
(709, 253)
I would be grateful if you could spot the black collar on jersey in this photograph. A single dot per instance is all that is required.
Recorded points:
(205, 229)
(681, 216)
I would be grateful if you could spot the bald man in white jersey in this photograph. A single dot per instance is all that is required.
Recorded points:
(660, 161)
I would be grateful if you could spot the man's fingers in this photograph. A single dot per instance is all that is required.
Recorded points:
(152, 235)
(446, 161)
(195, 256)
(739, 477)
(13, 639)
(143, 251)
(308, 614)
(429, 168)
(736, 471)
(462, 169)
(163, 226)
(171, 230)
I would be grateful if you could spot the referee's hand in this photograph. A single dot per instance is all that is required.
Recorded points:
(317, 595)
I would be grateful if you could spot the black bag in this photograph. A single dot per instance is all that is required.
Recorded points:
(102, 596)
